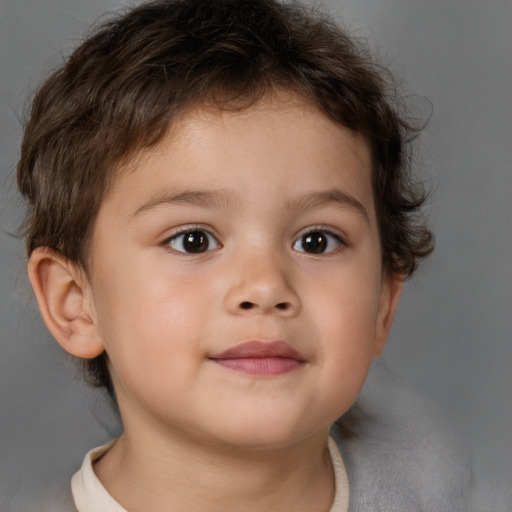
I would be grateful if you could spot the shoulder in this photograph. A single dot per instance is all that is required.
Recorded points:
(406, 455)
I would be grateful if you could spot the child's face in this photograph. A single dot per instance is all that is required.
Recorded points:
(242, 227)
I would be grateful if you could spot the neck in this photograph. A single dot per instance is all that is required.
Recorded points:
(173, 472)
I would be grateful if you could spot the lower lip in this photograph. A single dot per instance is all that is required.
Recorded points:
(261, 366)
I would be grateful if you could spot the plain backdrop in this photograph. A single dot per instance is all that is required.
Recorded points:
(452, 336)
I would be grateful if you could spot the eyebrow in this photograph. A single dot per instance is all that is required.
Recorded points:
(208, 198)
(334, 197)
(203, 198)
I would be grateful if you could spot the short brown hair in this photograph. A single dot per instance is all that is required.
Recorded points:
(121, 88)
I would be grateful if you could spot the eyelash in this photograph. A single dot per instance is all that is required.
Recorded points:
(323, 230)
(190, 230)
(327, 233)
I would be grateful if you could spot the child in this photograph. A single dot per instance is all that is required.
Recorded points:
(221, 220)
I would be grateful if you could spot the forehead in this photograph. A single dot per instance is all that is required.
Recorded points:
(281, 142)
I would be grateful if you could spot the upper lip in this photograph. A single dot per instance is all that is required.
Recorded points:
(259, 349)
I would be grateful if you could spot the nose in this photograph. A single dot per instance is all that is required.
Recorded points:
(261, 285)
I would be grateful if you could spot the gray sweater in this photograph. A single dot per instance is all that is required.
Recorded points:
(404, 457)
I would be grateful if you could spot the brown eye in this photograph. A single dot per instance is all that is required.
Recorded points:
(314, 243)
(194, 242)
(317, 242)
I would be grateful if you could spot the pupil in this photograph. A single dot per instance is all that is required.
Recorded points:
(195, 241)
(315, 243)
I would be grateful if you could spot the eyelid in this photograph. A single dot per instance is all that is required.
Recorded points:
(324, 229)
(328, 230)
(189, 228)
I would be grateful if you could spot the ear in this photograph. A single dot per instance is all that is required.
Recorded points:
(65, 301)
(390, 291)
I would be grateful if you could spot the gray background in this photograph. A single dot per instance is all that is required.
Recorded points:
(452, 336)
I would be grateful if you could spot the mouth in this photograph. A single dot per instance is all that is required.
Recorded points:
(260, 358)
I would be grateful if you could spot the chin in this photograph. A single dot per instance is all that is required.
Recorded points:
(265, 433)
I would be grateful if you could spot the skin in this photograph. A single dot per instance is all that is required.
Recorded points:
(254, 183)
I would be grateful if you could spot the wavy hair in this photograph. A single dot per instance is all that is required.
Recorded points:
(121, 89)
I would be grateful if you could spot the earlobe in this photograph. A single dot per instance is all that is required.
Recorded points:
(391, 289)
(63, 295)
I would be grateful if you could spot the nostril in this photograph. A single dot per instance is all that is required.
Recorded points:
(281, 306)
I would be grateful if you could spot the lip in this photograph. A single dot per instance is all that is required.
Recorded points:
(260, 358)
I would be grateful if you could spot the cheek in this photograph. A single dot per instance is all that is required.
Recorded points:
(349, 333)
(152, 346)
(346, 300)
(150, 317)
(344, 309)
(346, 356)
